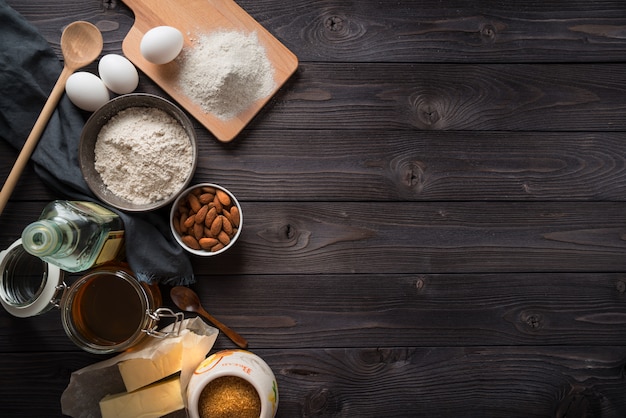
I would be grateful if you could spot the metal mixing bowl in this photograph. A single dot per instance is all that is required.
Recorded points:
(86, 151)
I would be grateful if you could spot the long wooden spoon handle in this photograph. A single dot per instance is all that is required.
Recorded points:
(33, 138)
(236, 338)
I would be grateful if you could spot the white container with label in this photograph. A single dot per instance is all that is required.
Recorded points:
(232, 373)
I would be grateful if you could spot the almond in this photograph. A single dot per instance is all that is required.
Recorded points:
(198, 231)
(206, 198)
(210, 217)
(223, 238)
(191, 242)
(208, 243)
(218, 204)
(194, 203)
(189, 221)
(223, 197)
(201, 215)
(235, 217)
(226, 225)
(217, 247)
(216, 226)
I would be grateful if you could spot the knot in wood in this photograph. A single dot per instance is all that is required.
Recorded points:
(322, 402)
(419, 284)
(428, 114)
(532, 321)
(334, 23)
(109, 4)
(488, 33)
(620, 286)
(428, 110)
(289, 231)
(414, 176)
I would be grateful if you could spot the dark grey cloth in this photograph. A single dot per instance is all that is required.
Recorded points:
(29, 69)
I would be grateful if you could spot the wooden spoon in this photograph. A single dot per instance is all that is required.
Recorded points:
(81, 44)
(188, 300)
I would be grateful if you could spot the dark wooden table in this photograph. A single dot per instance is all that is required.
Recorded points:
(435, 212)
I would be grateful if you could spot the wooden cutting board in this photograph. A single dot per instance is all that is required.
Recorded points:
(194, 18)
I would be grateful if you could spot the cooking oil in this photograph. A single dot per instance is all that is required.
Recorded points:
(75, 236)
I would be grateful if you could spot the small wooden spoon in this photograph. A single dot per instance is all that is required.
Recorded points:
(81, 44)
(188, 300)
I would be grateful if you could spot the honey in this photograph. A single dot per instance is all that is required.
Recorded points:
(107, 310)
(229, 397)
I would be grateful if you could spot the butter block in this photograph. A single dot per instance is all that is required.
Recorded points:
(150, 402)
(140, 372)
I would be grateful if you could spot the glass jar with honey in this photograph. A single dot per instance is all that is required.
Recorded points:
(104, 311)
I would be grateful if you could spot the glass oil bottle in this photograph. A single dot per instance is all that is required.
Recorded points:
(75, 236)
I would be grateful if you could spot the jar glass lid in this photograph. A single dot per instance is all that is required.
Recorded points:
(27, 284)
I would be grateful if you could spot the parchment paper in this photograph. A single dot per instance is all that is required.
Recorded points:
(90, 384)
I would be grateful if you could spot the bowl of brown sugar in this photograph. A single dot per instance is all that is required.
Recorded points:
(232, 383)
(138, 152)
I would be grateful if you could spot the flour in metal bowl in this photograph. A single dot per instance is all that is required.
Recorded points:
(143, 155)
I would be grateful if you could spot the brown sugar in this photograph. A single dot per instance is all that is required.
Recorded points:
(229, 397)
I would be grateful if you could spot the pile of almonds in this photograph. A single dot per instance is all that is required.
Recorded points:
(206, 219)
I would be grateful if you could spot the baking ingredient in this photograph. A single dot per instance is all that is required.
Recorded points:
(143, 155)
(152, 401)
(118, 74)
(161, 44)
(91, 312)
(140, 372)
(226, 72)
(75, 236)
(86, 91)
(229, 397)
(206, 219)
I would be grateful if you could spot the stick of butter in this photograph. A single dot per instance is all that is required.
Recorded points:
(150, 402)
(140, 372)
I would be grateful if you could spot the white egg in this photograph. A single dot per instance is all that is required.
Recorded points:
(86, 91)
(118, 74)
(161, 44)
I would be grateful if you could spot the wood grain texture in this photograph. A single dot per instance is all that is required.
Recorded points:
(392, 310)
(395, 382)
(455, 31)
(406, 166)
(549, 97)
(347, 237)
(407, 31)
(433, 212)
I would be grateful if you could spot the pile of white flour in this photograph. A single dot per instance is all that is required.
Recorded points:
(225, 72)
(143, 155)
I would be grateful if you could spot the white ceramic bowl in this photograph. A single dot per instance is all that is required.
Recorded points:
(239, 363)
(178, 230)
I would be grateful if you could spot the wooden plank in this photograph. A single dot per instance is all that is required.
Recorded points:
(484, 382)
(396, 310)
(454, 97)
(410, 237)
(454, 31)
(384, 166)
(407, 31)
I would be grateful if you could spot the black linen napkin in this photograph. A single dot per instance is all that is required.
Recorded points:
(29, 69)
